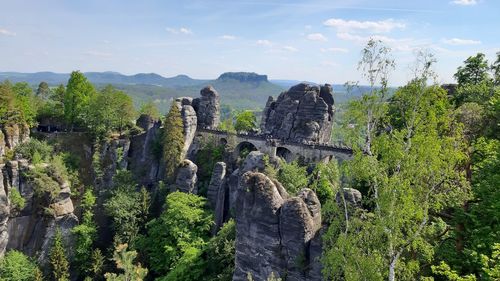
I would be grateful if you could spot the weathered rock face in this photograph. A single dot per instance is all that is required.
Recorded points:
(207, 108)
(143, 160)
(351, 196)
(29, 230)
(276, 233)
(217, 193)
(189, 122)
(11, 135)
(186, 177)
(304, 113)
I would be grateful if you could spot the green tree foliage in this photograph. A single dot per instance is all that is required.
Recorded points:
(85, 234)
(15, 266)
(17, 104)
(125, 261)
(30, 148)
(206, 157)
(77, 96)
(109, 110)
(173, 141)
(126, 207)
(176, 239)
(220, 253)
(495, 67)
(43, 90)
(16, 199)
(59, 264)
(325, 181)
(292, 176)
(245, 121)
(474, 71)
(150, 108)
(409, 172)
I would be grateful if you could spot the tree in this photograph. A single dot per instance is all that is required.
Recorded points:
(177, 237)
(474, 71)
(57, 257)
(495, 67)
(16, 266)
(410, 172)
(173, 141)
(246, 122)
(43, 90)
(149, 108)
(292, 176)
(125, 261)
(77, 97)
(126, 208)
(85, 234)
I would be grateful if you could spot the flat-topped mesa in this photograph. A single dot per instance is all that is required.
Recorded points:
(251, 77)
(304, 113)
(207, 108)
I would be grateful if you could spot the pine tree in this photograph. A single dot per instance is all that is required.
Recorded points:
(173, 141)
(58, 261)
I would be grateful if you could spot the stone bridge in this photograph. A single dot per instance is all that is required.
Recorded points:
(308, 152)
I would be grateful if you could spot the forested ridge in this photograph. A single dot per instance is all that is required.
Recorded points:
(418, 200)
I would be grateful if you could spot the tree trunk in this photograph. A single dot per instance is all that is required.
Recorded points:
(392, 268)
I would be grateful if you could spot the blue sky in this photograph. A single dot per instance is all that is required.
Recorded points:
(315, 40)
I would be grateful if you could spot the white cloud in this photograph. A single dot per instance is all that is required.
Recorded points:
(185, 30)
(290, 49)
(7, 32)
(403, 44)
(371, 26)
(458, 41)
(182, 30)
(97, 54)
(334, 50)
(317, 37)
(266, 43)
(464, 2)
(227, 37)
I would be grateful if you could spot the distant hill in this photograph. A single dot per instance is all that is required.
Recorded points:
(240, 90)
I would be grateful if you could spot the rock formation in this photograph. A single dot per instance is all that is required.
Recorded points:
(351, 196)
(143, 160)
(275, 232)
(207, 108)
(11, 135)
(304, 113)
(189, 122)
(216, 194)
(186, 177)
(31, 230)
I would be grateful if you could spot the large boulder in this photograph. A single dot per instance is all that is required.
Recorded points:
(186, 177)
(275, 233)
(207, 108)
(304, 113)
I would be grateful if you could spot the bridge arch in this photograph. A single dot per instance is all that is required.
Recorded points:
(285, 154)
(243, 148)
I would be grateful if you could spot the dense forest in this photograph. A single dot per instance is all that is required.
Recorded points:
(425, 163)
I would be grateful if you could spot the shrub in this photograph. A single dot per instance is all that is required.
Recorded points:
(16, 199)
(16, 266)
(34, 150)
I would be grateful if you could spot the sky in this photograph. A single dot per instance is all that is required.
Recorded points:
(317, 40)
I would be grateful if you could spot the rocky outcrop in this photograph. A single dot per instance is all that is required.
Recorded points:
(189, 122)
(207, 108)
(217, 193)
(304, 113)
(186, 177)
(11, 135)
(351, 196)
(143, 159)
(112, 156)
(275, 233)
(31, 229)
